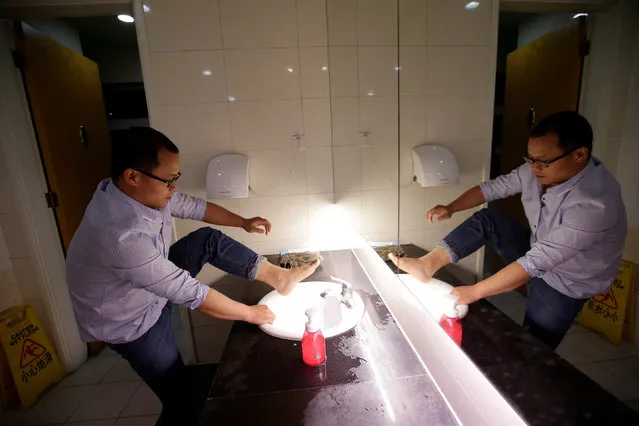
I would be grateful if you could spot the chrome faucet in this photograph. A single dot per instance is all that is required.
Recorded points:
(347, 292)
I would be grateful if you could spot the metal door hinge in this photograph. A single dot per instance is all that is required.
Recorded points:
(18, 59)
(584, 49)
(52, 200)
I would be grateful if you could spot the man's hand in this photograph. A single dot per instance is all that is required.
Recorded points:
(257, 225)
(260, 314)
(467, 294)
(442, 213)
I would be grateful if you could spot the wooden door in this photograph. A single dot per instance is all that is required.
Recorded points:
(65, 98)
(542, 77)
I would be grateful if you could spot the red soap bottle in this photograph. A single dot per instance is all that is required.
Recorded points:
(313, 343)
(450, 321)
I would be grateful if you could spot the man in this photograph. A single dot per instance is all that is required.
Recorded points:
(124, 278)
(577, 229)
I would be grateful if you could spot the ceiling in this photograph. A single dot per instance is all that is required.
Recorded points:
(105, 31)
(507, 19)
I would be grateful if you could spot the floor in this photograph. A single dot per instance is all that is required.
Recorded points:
(615, 368)
(105, 391)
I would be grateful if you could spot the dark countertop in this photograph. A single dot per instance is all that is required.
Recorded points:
(373, 377)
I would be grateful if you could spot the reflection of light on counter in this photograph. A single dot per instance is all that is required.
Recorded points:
(468, 393)
(378, 378)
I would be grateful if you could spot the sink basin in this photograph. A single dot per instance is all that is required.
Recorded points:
(289, 310)
(430, 295)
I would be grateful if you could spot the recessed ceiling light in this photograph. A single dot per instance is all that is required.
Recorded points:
(290, 69)
(371, 93)
(146, 8)
(207, 72)
(126, 18)
(324, 68)
(472, 5)
(579, 15)
(231, 98)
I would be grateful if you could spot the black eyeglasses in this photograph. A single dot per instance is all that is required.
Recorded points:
(168, 182)
(546, 163)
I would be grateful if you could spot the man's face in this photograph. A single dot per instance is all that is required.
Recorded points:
(547, 148)
(152, 192)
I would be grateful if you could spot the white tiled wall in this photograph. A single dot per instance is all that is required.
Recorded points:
(607, 80)
(8, 283)
(446, 81)
(268, 79)
(246, 76)
(364, 100)
(19, 282)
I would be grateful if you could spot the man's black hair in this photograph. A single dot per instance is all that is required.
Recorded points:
(572, 129)
(137, 148)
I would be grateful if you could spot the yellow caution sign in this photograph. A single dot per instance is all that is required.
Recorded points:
(607, 312)
(32, 360)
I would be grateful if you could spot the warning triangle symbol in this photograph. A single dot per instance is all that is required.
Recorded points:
(607, 299)
(30, 352)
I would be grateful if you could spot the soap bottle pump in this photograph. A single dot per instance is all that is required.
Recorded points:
(450, 321)
(313, 343)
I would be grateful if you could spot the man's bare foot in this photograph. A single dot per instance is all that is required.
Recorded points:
(422, 268)
(285, 280)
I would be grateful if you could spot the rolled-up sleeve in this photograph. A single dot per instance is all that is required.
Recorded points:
(187, 207)
(138, 261)
(581, 227)
(503, 186)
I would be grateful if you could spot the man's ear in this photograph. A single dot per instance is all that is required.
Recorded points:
(583, 155)
(131, 177)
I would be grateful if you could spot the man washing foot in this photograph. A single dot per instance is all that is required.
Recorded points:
(577, 229)
(124, 277)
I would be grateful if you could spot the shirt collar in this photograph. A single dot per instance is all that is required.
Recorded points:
(570, 183)
(147, 212)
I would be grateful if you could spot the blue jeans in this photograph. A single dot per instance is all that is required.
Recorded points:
(549, 313)
(155, 356)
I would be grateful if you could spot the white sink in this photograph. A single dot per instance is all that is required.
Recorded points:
(290, 310)
(430, 293)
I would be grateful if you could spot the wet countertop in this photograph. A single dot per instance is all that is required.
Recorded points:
(373, 377)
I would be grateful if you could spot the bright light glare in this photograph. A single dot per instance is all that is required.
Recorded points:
(332, 229)
(126, 18)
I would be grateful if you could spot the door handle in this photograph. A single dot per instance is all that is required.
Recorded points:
(84, 135)
(531, 117)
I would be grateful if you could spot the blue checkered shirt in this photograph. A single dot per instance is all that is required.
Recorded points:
(118, 270)
(578, 227)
